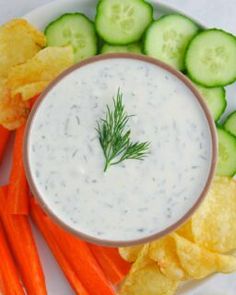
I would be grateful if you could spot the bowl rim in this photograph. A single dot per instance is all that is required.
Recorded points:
(157, 235)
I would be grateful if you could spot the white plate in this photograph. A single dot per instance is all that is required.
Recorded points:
(56, 283)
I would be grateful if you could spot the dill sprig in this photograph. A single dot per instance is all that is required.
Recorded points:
(115, 138)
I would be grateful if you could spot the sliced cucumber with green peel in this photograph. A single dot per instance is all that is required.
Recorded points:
(230, 123)
(227, 153)
(131, 48)
(167, 39)
(211, 58)
(73, 29)
(215, 99)
(121, 22)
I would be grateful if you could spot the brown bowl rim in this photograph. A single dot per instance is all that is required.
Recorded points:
(187, 215)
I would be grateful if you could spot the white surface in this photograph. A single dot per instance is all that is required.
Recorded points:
(220, 13)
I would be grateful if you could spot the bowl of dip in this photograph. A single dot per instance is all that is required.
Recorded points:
(134, 201)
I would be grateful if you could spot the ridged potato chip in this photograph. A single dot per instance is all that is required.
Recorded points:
(214, 223)
(199, 262)
(130, 253)
(226, 263)
(163, 251)
(142, 259)
(33, 76)
(186, 230)
(32, 90)
(196, 261)
(19, 41)
(145, 278)
(13, 111)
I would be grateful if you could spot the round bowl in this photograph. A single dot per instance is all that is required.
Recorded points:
(205, 189)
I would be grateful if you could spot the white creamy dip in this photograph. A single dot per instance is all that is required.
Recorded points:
(134, 199)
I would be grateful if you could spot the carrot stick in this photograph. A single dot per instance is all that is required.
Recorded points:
(18, 201)
(39, 219)
(114, 267)
(10, 282)
(82, 261)
(18, 191)
(23, 247)
(2, 287)
(4, 137)
(33, 100)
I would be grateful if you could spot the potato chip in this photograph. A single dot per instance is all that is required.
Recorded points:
(141, 259)
(19, 41)
(148, 281)
(186, 231)
(130, 253)
(199, 262)
(13, 111)
(226, 263)
(33, 76)
(163, 251)
(214, 223)
(196, 261)
(33, 89)
(145, 278)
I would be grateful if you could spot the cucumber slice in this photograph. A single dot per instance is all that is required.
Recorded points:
(132, 48)
(215, 99)
(73, 29)
(121, 22)
(230, 123)
(227, 153)
(211, 58)
(167, 39)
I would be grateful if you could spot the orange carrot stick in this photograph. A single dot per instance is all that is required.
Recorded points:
(33, 100)
(82, 261)
(114, 267)
(3, 194)
(10, 282)
(39, 219)
(18, 191)
(4, 137)
(24, 249)
(18, 201)
(2, 287)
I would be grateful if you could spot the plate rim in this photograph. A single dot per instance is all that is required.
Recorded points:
(55, 3)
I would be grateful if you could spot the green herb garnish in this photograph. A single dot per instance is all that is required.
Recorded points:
(115, 139)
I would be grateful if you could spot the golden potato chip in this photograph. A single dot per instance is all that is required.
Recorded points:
(19, 41)
(148, 281)
(196, 261)
(163, 251)
(214, 223)
(145, 278)
(141, 259)
(13, 111)
(130, 253)
(226, 263)
(199, 262)
(33, 89)
(33, 76)
(186, 231)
